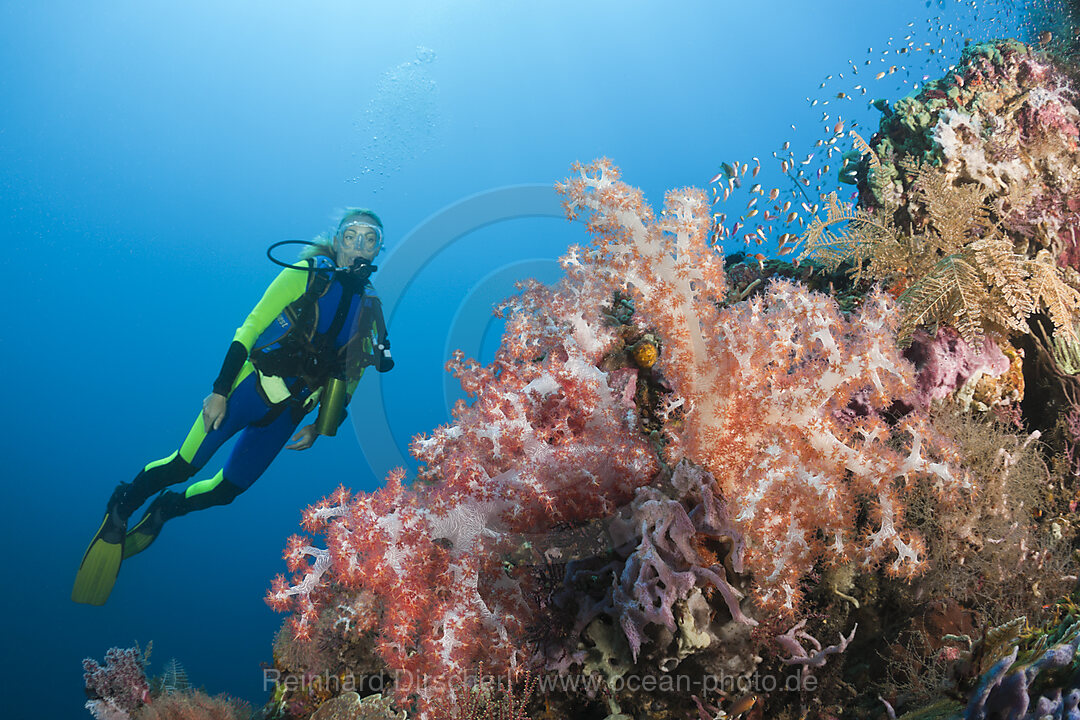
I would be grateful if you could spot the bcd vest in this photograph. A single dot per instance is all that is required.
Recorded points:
(327, 332)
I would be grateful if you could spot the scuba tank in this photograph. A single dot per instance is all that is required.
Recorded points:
(331, 407)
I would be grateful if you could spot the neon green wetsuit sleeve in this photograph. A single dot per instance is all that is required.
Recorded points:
(287, 287)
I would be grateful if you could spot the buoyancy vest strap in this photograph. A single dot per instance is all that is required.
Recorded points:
(303, 312)
(319, 279)
(344, 304)
(306, 350)
(290, 403)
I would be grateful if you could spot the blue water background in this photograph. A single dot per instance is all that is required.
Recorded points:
(149, 152)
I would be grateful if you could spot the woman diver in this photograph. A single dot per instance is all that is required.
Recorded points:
(306, 343)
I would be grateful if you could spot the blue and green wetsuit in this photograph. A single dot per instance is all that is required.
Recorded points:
(310, 326)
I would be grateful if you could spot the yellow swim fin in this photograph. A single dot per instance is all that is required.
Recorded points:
(165, 506)
(101, 563)
(140, 536)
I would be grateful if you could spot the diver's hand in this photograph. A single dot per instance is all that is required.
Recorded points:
(304, 439)
(213, 411)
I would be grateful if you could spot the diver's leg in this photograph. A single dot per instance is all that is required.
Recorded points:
(101, 561)
(245, 406)
(152, 479)
(255, 449)
(168, 505)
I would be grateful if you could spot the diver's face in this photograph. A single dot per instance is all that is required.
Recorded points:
(360, 238)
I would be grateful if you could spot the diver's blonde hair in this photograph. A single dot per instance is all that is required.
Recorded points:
(324, 241)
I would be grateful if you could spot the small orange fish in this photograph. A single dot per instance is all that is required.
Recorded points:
(787, 206)
(791, 216)
(784, 167)
(716, 177)
(786, 250)
(838, 127)
(774, 193)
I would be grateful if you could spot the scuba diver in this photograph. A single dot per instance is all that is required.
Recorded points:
(306, 343)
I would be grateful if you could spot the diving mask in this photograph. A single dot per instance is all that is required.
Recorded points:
(357, 234)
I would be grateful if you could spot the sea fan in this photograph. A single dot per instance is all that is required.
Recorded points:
(174, 679)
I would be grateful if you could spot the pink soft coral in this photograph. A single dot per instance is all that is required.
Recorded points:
(764, 386)
(547, 440)
(776, 399)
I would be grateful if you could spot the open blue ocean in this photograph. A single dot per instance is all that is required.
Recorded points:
(151, 152)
